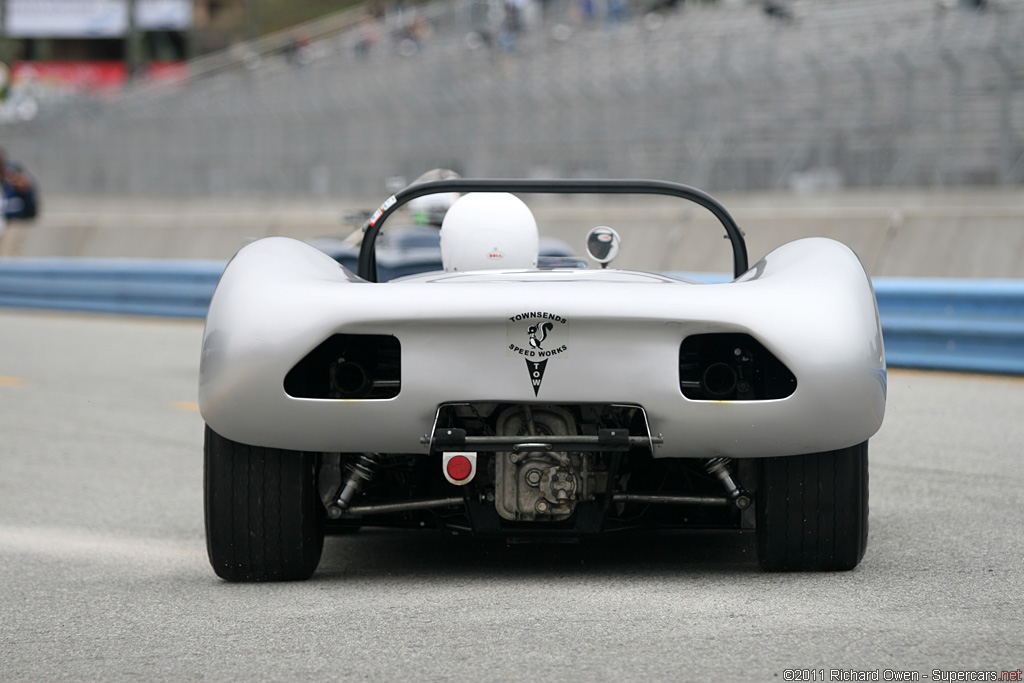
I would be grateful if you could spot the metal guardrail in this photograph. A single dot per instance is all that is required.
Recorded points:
(969, 325)
(946, 324)
(124, 286)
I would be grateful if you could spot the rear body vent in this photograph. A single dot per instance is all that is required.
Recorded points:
(349, 366)
(731, 367)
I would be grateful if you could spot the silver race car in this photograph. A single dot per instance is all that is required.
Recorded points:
(496, 398)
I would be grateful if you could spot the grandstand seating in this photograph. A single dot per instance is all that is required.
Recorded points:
(854, 92)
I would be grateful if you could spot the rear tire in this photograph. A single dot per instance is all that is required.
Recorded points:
(264, 518)
(812, 511)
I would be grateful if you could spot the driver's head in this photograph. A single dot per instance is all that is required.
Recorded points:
(487, 231)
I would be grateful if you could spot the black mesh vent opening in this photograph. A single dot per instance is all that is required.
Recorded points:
(349, 366)
(731, 367)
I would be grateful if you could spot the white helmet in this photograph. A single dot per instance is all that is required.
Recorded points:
(430, 209)
(489, 230)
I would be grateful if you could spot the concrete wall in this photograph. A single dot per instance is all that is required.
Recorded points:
(936, 233)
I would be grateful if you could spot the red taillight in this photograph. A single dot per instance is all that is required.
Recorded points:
(459, 468)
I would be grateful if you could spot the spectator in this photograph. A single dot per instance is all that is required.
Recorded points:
(778, 10)
(412, 35)
(366, 36)
(617, 13)
(375, 8)
(3, 223)
(588, 10)
(298, 50)
(19, 205)
(511, 25)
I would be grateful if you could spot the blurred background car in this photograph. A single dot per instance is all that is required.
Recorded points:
(409, 250)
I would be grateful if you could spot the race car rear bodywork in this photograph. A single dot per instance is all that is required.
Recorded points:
(543, 402)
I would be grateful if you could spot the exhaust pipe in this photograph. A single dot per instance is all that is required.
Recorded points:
(719, 380)
(350, 380)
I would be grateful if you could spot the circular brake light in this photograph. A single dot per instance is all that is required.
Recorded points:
(459, 468)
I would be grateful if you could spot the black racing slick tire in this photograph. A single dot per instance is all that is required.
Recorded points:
(812, 511)
(264, 518)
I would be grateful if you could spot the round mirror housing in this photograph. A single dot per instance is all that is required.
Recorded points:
(603, 245)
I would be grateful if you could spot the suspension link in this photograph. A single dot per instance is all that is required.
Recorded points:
(719, 467)
(360, 471)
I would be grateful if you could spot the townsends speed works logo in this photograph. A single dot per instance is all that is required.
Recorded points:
(537, 336)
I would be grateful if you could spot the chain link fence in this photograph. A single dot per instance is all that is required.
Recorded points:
(845, 93)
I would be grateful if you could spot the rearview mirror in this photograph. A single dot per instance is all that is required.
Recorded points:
(603, 245)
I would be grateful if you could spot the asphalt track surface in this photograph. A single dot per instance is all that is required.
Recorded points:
(104, 576)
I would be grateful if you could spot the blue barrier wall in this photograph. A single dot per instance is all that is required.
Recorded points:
(970, 325)
(965, 325)
(129, 286)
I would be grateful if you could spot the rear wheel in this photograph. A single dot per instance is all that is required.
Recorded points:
(812, 510)
(264, 518)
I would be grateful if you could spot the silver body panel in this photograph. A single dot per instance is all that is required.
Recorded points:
(809, 302)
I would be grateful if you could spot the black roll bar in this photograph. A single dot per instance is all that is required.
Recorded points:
(367, 254)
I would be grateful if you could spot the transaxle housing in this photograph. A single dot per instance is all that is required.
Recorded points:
(544, 485)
